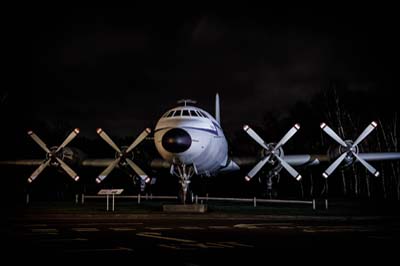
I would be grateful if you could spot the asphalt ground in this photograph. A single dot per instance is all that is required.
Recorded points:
(231, 233)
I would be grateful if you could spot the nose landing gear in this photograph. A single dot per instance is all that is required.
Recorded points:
(184, 173)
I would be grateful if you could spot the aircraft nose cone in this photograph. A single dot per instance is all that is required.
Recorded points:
(176, 140)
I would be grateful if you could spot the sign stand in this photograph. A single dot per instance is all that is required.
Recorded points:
(107, 201)
(109, 192)
(113, 195)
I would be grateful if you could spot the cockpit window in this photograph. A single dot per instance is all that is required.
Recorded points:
(199, 113)
(185, 112)
(205, 115)
(178, 113)
(170, 113)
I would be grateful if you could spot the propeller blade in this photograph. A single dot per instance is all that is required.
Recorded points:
(68, 169)
(257, 168)
(332, 134)
(70, 137)
(370, 168)
(104, 136)
(334, 165)
(38, 141)
(138, 170)
(365, 133)
(255, 136)
(38, 170)
(288, 136)
(108, 170)
(289, 168)
(139, 139)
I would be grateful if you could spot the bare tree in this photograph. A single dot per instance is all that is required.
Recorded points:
(311, 185)
(356, 187)
(389, 143)
(395, 144)
(3, 98)
(367, 183)
(301, 189)
(382, 166)
(340, 128)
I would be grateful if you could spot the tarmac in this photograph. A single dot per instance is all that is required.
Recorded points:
(231, 232)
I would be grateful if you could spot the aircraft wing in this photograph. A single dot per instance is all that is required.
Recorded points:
(288, 161)
(295, 160)
(160, 164)
(23, 162)
(380, 156)
(157, 163)
(97, 162)
(305, 159)
(245, 161)
(35, 162)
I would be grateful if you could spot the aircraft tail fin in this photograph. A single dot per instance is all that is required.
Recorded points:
(217, 110)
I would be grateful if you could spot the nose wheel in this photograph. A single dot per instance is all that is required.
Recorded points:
(186, 195)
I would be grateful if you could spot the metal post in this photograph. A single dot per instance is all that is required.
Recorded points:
(113, 201)
(196, 199)
(206, 197)
(27, 198)
(326, 204)
(107, 201)
(76, 199)
(313, 204)
(138, 198)
(83, 199)
(255, 202)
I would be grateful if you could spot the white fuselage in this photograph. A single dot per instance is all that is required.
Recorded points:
(189, 135)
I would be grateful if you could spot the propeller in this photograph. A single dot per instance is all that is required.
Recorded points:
(122, 156)
(350, 149)
(52, 155)
(272, 151)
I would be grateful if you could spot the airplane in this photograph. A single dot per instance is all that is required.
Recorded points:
(191, 141)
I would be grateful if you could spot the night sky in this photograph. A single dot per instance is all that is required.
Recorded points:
(121, 69)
